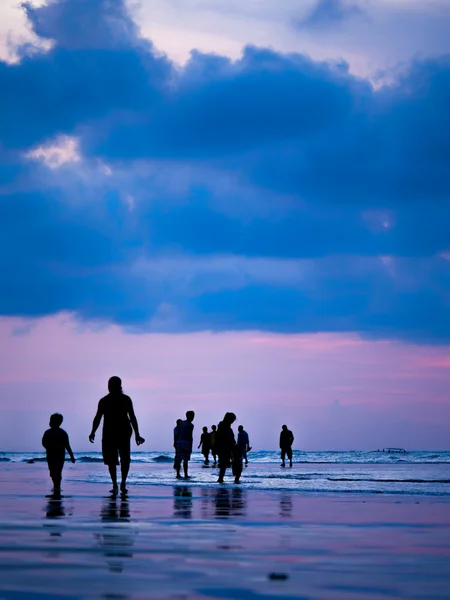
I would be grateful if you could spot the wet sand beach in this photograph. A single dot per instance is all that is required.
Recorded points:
(192, 542)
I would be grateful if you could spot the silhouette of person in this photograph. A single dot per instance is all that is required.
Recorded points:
(183, 444)
(175, 436)
(227, 449)
(212, 441)
(286, 440)
(118, 420)
(205, 443)
(243, 443)
(56, 441)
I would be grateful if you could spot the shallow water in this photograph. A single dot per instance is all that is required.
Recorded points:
(188, 542)
(407, 476)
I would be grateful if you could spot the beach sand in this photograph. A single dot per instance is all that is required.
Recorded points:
(188, 542)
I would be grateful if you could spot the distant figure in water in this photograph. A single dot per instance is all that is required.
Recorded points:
(183, 444)
(243, 443)
(205, 443)
(227, 449)
(175, 436)
(56, 441)
(118, 420)
(212, 441)
(286, 441)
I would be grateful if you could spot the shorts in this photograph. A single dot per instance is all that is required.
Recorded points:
(183, 451)
(112, 449)
(55, 466)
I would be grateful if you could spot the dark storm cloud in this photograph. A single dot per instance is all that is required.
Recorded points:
(260, 193)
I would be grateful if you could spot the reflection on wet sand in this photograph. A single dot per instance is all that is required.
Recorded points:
(182, 502)
(285, 505)
(118, 536)
(55, 507)
(223, 502)
(54, 510)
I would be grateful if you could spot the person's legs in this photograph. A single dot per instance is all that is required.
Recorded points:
(289, 453)
(206, 455)
(185, 468)
(244, 456)
(124, 468)
(237, 470)
(177, 466)
(111, 459)
(56, 476)
(113, 474)
(125, 459)
(214, 455)
(283, 457)
(223, 463)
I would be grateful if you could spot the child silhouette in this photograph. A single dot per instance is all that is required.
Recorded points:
(56, 441)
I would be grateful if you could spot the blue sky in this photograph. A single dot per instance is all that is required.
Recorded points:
(172, 169)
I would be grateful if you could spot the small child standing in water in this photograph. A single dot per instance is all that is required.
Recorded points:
(56, 442)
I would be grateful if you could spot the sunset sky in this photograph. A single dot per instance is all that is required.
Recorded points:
(233, 206)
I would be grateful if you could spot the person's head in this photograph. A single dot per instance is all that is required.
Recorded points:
(205, 430)
(190, 415)
(229, 418)
(115, 385)
(213, 427)
(55, 420)
(179, 421)
(284, 428)
(241, 428)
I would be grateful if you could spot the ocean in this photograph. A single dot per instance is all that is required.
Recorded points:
(351, 472)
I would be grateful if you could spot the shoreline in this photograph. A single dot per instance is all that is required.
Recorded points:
(224, 542)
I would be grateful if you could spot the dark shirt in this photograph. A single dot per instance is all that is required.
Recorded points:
(243, 440)
(115, 409)
(205, 441)
(184, 437)
(225, 440)
(55, 441)
(286, 439)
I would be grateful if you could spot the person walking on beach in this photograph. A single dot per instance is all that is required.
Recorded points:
(226, 445)
(286, 441)
(119, 421)
(212, 441)
(244, 443)
(183, 444)
(205, 443)
(56, 441)
(175, 436)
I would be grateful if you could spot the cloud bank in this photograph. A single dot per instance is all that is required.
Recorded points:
(273, 192)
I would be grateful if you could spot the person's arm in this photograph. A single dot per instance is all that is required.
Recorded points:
(44, 440)
(96, 422)
(201, 441)
(292, 438)
(281, 440)
(69, 449)
(134, 424)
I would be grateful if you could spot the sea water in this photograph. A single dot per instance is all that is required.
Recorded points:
(413, 473)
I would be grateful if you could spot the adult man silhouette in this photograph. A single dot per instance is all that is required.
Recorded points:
(118, 420)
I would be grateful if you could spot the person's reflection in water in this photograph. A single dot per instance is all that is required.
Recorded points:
(285, 506)
(54, 510)
(182, 502)
(229, 502)
(117, 537)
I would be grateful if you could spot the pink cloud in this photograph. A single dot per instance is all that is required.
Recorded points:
(385, 391)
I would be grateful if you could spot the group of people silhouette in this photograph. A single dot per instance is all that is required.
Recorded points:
(119, 422)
